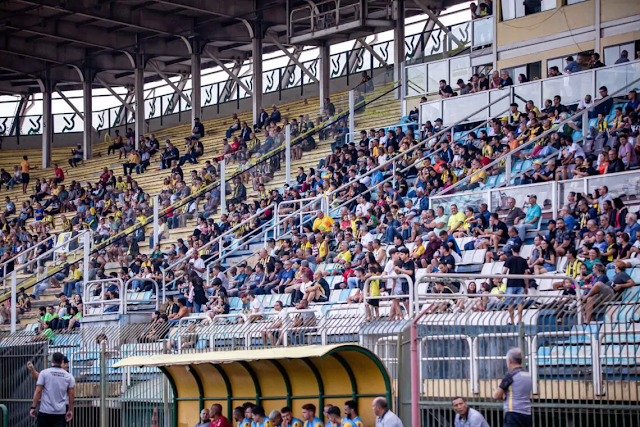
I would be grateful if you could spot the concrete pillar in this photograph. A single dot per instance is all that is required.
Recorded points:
(47, 124)
(139, 95)
(87, 135)
(196, 85)
(256, 45)
(398, 41)
(325, 73)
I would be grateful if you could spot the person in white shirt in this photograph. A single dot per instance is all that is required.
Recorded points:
(366, 237)
(197, 264)
(585, 103)
(384, 416)
(255, 306)
(388, 268)
(362, 207)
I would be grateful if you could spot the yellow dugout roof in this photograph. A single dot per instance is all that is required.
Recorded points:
(272, 378)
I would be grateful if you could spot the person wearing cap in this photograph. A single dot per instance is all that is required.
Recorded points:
(531, 219)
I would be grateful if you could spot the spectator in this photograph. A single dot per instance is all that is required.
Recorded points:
(219, 420)
(595, 61)
(572, 65)
(77, 156)
(531, 219)
(605, 292)
(198, 129)
(516, 265)
(275, 117)
(445, 90)
(624, 57)
(205, 421)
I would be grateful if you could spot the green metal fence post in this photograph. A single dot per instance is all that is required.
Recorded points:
(5, 416)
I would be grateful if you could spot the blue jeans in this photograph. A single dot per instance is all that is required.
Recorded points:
(522, 229)
(515, 300)
(390, 233)
(69, 287)
(352, 282)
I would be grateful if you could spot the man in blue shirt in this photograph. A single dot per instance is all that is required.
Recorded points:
(531, 219)
(572, 66)
(309, 416)
(288, 419)
(351, 414)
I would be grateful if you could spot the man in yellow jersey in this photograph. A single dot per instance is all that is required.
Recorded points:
(309, 416)
(288, 419)
(259, 418)
(322, 223)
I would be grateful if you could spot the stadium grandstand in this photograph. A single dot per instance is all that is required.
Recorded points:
(310, 212)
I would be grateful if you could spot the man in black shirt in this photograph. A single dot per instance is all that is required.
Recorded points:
(496, 235)
(408, 267)
(515, 264)
(445, 89)
(198, 129)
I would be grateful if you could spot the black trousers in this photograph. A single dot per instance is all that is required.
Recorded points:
(51, 420)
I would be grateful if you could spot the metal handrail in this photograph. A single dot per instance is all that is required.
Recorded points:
(420, 145)
(257, 237)
(101, 302)
(392, 177)
(412, 290)
(218, 239)
(530, 143)
(152, 300)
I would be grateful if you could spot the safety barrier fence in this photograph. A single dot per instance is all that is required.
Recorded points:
(572, 88)
(580, 372)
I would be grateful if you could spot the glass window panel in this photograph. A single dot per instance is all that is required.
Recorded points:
(509, 8)
(500, 198)
(482, 31)
(459, 107)
(529, 91)
(460, 68)
(474, 200)
(626, 185)
(575, 1)
(571, 88)
(416, 80)
(430, 111)
(502, 106)
(436, 71)
(612, 53)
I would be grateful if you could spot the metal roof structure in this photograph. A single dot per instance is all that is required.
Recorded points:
(69, 42)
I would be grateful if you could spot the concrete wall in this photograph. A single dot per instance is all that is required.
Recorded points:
(226, 109)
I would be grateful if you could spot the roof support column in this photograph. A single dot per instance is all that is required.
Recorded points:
(325, 73)
(398, 42)
(47, 122)
(139, 94)
(87, 102)
(256, 45)
(196, 84)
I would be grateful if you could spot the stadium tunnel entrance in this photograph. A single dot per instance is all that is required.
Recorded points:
(272, 378)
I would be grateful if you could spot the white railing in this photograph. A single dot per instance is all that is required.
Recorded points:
(572, 88)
